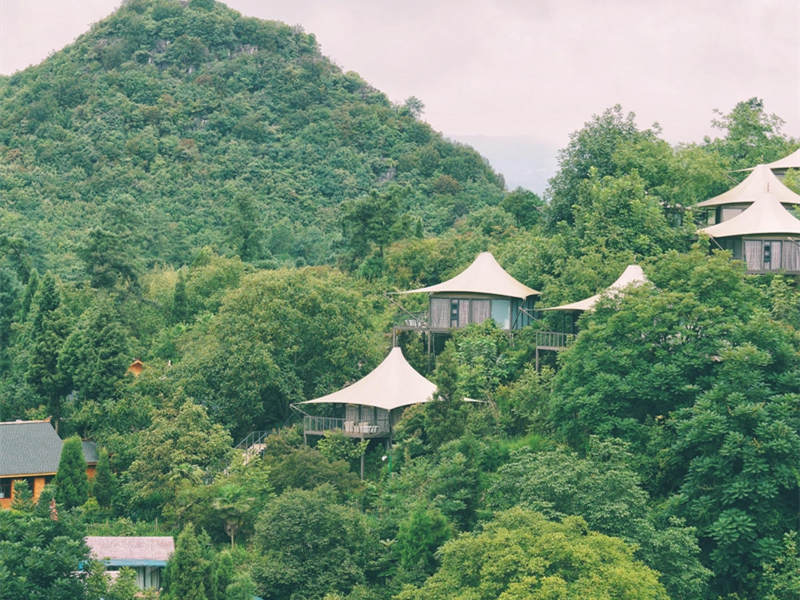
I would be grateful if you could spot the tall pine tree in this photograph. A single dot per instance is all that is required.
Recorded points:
(104, 480)
(48, 332)
(72, 484)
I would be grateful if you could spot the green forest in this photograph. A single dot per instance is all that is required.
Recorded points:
(209, 194)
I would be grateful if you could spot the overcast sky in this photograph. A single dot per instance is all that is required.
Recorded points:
(529, 71)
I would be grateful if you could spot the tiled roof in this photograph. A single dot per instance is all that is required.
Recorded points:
(28, 447)
(90, 452)
(113, 549)
(33, 447)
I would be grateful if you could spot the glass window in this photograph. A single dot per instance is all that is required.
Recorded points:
(501, 313)
(440, 313)
(480, 311)
(5, 488)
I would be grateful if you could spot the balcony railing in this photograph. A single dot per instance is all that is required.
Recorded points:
(553, 340)
(371, 428)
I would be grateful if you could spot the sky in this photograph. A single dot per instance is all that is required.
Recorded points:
(514, 78)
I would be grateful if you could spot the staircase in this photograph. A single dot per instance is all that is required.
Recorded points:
(253, 445)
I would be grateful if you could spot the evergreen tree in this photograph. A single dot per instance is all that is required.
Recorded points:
(103, 480)
(187, 568)
(23, 496)
(30, 291)
(94, 356)
(180, 301)
(72, 485)
(9, 298)
(222, 575)
(48, 332)
(242, 588)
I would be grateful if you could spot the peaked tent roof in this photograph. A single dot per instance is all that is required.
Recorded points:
(764, 216)
(792, 161)
(632, 275)
(760, 181)
(392, 384)
(483, 276)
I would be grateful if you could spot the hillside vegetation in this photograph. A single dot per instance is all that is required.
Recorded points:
(179, 125)
(163, 181)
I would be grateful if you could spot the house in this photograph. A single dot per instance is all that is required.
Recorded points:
(370, 407)
(765, 235)
(761, 181)
(558, 340)
(146, 555)
(482, 291)
(31, 450)
(136, 368)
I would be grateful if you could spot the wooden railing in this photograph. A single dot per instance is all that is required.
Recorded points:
(318, 424)
(553, 340)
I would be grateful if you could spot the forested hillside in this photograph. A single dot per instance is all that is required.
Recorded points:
(163, 181)
(177, 125)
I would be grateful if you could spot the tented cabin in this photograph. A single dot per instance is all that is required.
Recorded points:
(765, 236)
(482, 291)
(737, 199)
(558, 340)
(370, 407)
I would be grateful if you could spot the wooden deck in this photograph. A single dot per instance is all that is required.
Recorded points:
(362, 430)
(553, 340)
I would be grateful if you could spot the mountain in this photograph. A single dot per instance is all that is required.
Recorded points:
(175, 125)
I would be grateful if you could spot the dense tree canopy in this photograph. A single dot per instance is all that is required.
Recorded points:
(522, 554)
(174, 173)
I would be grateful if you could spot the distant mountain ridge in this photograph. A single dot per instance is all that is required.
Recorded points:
(179, 125)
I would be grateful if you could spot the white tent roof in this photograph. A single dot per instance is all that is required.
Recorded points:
(766, 215)
(787, 162)
(392, 384)
(483, 276)
(760, 181)
(632, 275)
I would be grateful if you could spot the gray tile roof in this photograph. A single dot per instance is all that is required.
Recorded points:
(31, 447)
(89, 452)
(28, 447)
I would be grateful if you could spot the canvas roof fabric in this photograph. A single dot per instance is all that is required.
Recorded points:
(760, 181)
(131, 550)
(28, 448)
(483, 276)
(392, 384)
(791, 161)
(764, 216)
(632, 275)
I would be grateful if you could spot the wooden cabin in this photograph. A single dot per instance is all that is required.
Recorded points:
(147, 556)
(136, 368)
(765, 235)
(482, 291)
(739, 198)
(31, 451)
(558, 340)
